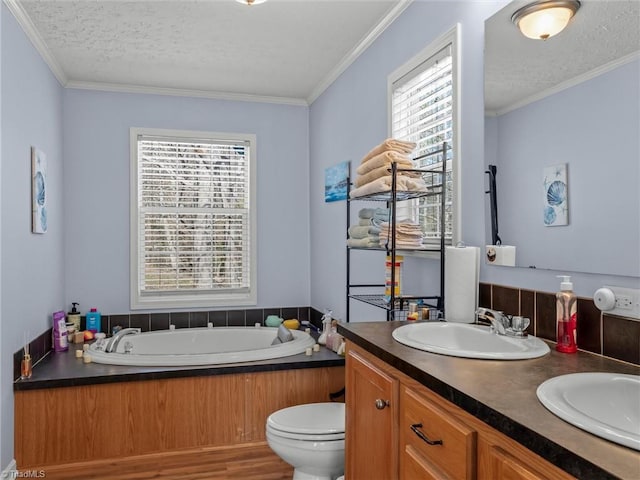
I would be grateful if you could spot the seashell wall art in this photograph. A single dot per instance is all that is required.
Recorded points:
(556, 206)
(38, 191)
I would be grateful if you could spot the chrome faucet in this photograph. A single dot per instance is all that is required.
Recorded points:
(499, 321)
(112, 345)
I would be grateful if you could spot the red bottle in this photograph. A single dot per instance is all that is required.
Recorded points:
(566, 317)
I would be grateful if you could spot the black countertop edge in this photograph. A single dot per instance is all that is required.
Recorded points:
(559, 456)
(176, 372)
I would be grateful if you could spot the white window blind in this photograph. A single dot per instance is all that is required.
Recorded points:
(422, 112)
(194, 220)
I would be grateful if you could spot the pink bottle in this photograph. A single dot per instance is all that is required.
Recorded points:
(566, 317)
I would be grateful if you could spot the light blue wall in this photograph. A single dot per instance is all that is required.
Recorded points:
(96, 201)
(32, 265)
(351, 117)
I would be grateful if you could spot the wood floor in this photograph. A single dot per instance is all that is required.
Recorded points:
(251, 462)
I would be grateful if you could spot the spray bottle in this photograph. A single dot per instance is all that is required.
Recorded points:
(326, 326)
(566, 317)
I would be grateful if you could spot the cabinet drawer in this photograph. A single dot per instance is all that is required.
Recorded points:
(452, 452)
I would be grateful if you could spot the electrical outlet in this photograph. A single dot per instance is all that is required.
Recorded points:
(627, 302)
(624, 301)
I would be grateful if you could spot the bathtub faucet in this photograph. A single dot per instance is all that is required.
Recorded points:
(112, 345)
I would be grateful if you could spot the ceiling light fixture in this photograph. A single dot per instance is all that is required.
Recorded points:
(251, 2)
(544, 19)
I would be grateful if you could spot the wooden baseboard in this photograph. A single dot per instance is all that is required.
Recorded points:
(254, 461)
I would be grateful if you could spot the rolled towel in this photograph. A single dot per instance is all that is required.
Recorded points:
(385, 159)
(390, 144)
(366, 212)
(358, 231)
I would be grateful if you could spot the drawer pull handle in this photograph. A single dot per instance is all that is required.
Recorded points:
(415, 428)
(380, 404)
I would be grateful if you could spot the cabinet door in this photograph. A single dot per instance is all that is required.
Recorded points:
(501, 458)
(371, 433)
(434, 440)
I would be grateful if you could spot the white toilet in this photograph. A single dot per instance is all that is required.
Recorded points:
(309, 437)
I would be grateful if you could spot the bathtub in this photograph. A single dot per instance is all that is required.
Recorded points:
(201, 346)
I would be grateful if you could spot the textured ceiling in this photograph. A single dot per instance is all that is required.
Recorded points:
(518, 68)
(286, 49)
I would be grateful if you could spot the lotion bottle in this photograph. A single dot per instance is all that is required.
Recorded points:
(566, 317)
(94, 321)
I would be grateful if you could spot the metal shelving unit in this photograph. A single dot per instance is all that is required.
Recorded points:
(397, 306)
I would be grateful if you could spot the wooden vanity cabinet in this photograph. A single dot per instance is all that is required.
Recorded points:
(371, 420)
(433, 443)
(416, 434)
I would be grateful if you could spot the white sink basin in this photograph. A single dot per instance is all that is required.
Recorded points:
(469, 341)
(604, 404)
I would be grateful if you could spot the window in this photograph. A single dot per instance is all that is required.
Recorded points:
(193, 235)
(423, 109)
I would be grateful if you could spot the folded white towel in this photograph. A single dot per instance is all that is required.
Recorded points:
(383, 184)
(390, 144)
(363, 242)
(385, 159)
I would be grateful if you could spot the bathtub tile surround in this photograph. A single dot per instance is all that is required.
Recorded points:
(236, 318)
(198, 319)
(159, 321)
(218, 318)
(141, 321)
(599, 333)
(179, 319)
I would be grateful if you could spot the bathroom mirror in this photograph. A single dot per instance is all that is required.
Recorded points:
(572, 101)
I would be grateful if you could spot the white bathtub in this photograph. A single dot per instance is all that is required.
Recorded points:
(202, 346)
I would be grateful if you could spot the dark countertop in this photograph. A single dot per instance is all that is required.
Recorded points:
(63, 369)
(503, 395)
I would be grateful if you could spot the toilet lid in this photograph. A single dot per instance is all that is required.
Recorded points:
(310, 418)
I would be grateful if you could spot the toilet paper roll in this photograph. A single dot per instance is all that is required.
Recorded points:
(461, 270)
(504, 255)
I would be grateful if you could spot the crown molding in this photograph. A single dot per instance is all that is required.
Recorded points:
(365, 43)
(32, 34)
(566, 84)
(178, 92)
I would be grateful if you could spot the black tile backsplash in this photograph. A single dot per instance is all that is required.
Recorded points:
(198, 319)
(159, 321)
(140, 320)
(218, 318)
(179, 319)
(236, 318)
(621, 338)
(255, 316)
(602, 334)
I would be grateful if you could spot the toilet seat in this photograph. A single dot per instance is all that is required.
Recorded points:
(324, 420)
(305, 437)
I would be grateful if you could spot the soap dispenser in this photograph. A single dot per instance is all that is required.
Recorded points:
(74, 316)
(566, 317)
